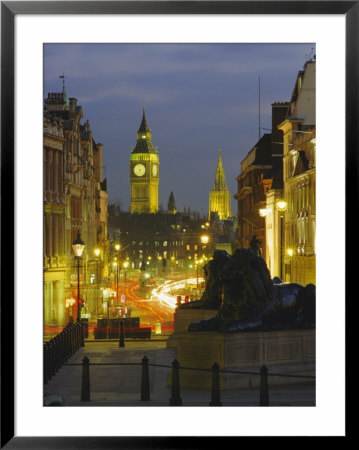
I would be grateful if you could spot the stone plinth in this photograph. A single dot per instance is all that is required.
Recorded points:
(183, 317)
(284, 352)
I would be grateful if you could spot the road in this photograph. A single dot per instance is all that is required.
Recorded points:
(150, 310)
(153, 305)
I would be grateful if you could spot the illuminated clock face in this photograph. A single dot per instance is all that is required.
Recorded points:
(154, 170)
(139, 170)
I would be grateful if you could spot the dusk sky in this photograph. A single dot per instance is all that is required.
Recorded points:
(198, 98)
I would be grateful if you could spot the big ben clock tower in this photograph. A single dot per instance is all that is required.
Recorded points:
(144, 172)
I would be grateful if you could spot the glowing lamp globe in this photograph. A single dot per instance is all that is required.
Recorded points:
(78, 246)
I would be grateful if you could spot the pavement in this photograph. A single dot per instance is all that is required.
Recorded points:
(120, 385)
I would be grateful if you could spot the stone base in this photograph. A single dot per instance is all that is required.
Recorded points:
(183, 317)
(283, 352)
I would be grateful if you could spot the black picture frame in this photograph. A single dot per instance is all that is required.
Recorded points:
(9, 9)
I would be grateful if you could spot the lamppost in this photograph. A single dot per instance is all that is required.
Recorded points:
(125, 265)
(290, 254)
(281, 207)
(97, 253)
(196, 263)
(116, 264)
(78, 246)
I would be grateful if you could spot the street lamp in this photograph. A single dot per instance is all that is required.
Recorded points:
(290, 254)
(125, 265)
(204, 241)
(281, 207)
(263, 212)
(116, 264)
(97, 253)
(196, 263)
(78, 246)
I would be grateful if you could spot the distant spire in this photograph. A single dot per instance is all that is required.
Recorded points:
(144, 137)
(171, 206)
(219, 196)
(144, 128)
(220, 179)
(64, 94)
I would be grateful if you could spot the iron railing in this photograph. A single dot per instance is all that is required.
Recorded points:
(175, 399)
(61, 347)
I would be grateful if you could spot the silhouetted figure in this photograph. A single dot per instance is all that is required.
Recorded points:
(254, 246)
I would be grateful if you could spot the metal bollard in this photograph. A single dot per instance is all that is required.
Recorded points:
(175, 399)
(122, 335)
(263, 388)
(215, 395)
(145, 381)
(85, 385)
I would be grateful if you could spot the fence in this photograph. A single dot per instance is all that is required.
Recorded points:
(60, 348)
(175, 399)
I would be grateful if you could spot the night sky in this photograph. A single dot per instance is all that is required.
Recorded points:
(197, 97)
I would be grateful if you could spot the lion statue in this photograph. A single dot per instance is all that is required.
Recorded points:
(212, 295)
(246, 298)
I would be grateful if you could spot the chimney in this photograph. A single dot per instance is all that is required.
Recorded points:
(73, 104)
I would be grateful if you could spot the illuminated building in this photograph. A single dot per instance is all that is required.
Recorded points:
(55, 261)
(261, 172)
(149, 239)
(144, 172)
(299, 175)
(75, 199)
(220, 197)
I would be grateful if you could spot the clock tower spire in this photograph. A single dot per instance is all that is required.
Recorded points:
(144, 173)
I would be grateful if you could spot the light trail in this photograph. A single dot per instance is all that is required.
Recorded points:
(162, 292)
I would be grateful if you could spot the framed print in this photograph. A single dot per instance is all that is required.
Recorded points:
(82, 35)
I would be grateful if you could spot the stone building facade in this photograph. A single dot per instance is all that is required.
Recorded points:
(75, 199)
(162, 242)
(299, 176)
(261, 172)
(55, 262)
